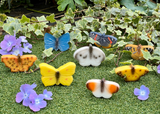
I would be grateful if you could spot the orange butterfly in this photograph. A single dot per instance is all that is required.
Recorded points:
(18, 63)
(136, 50)
(102, 88)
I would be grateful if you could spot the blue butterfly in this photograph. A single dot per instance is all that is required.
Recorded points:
(60, 43)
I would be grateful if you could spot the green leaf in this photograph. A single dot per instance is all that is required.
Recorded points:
(39, 32)
(1, 23)
(3, 17)
(47, 53)
(89, 12)
(110, 57)
(81, 24)
(63, 4)
(126, 51)
(89, 19)
(127, 62)
(24, 19)
(149, 67)
(121, 43)
(112, 71)
(157, 51)
(37, 62)
(92, 41)
(67, 27)
(79, 2)
(42, 19)
(118, 32)
(69, 14)
(146, 55)
(51, 18)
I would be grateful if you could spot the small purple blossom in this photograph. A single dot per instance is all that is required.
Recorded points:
(8, 42)
(23, 39)
(142, 93)
(158, 69)
(26, 90)
(37, 102)
(26, 48)
(17, 50)
(18, 42)
(47, 95)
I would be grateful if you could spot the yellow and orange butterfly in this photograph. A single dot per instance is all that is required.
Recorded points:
(62, 75)
(18, 63)
(136, 50)
(130, 72)
(102, 88)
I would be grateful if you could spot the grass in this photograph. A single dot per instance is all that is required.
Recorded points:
(76, 99)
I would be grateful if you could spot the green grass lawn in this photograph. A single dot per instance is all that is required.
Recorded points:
(76, 99)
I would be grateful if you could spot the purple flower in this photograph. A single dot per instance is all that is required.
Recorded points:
(18, 42)
(23, 39)
(4, 52)
(17, 50)
(47, 95)
(26, 90)
(142, 93)
(37, 102)
(8, 42)
(26, 48)
(158, 69)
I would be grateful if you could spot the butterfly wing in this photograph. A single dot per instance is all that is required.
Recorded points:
(49, 41)
(89, 55)
(63, 42)
(82, 55)
(66, 71)
(148, 48)
(11, 61)
(105, 91)
(26, 62)
(131, 73)
(48, 73)
(107, 41)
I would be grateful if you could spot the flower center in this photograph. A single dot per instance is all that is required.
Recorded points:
(17, 52)
(37, 101)
(9, 43)
(25, 95)
(142, 92)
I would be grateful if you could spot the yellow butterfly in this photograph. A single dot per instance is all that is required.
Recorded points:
(136, 50)
(62, 75)
(18, 63)
(130, 72)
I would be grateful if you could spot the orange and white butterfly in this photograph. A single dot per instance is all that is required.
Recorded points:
(102, 88)
(18, 63)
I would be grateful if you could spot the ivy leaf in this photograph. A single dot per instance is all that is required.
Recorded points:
(51, 18)
(92, 41)
(110, 57)
(3, 17)
(79, 2)
(118, 32)
(127, 62)
(69, 14)
(1, 23)
(47, 53)
(112, 71)
(37, 62)
(42, 19)
(149, 67)
(102, 29)
(157, 51)
(63, 4)
(146, 55)
(67, 27)
(24, 19)
(89, 19)
(39, 32)
(73, 46)
(126, 51)
(89, 12)
(121, 43)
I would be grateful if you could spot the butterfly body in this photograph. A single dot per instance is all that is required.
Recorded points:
(60, 43)
(62, 75)
(102, 88)
(136, 50)
(106, 41)
(18, 63)
(130, 72)
(89, 55)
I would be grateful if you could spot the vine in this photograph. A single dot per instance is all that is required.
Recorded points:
(127, 25)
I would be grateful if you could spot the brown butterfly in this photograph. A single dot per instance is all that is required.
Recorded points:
(18, 63)
(136, 50)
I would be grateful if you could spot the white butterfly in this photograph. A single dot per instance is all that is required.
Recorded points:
(102, 88)
(89, 55)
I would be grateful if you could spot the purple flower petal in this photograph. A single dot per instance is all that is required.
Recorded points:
(17, 50)
(18, 42)
(42, 104)
(26, 102)
(33, 107)
(26, 48)
(4, 52)
(23, 39)
(47, 94)
(19, 97)
(33, 85)
(143, 97)
(136, 91)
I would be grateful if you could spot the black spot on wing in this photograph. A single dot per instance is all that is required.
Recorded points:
(128, 48)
